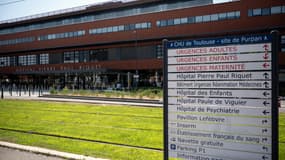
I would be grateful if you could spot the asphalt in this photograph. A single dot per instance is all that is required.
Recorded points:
(11, 151)
(14, 154)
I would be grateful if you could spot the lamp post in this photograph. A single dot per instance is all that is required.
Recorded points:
(136, 75)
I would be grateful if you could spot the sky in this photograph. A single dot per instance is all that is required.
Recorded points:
(10, 9)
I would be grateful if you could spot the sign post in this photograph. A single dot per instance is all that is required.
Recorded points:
(220, 98)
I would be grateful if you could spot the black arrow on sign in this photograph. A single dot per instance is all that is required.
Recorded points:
(265, 112)
(265, 148)
(266, 75)
(264, 130)
(266, 84)
(264, 157)
(265, 103)
(264, 139)
(264, 121)
(266, 94)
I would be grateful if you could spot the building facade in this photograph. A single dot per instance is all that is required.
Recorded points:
(119, 44)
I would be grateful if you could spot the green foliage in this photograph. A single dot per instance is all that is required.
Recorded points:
(146, 93)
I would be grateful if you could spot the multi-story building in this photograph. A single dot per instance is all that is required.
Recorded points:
(121, 42)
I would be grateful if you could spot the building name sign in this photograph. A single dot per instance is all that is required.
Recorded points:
(219, 99)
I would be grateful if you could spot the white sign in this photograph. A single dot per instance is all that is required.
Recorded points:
(220, 84)
(220, 99)
(219, 76)
(220, 58)
(220, 50)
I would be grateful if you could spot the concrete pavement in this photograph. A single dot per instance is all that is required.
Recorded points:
(14, 154)
(36, 152)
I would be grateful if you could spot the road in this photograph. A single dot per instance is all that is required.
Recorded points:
(13, 154)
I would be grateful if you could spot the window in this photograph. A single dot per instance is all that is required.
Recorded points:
(68, 57)
(282, 43)
(191, 19)
(265, 11)
(222, 16)
(214, 17)
(256, 12)
(177, 21)
(163, 23)
(198, 19)
(184, 20)
(249, 13)
(231, 15)
(27, 60)
(123, 12)
(4, 61)
(206, 18)
(276, 10)
(44, 58)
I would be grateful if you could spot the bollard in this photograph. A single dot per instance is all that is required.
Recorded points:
(39, 91)
(2, 93)
(20, 91)
(29, 92)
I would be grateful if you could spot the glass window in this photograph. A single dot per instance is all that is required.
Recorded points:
(177, 21)
(184, 20)
(68, 57)
(145, 25)
(206, 18)
(158, 23)
(256, 12)
(170, 22)
(44, 58)
(110, 29)
(4, 61)
(276, 10)
(283, 9)
(138, 26)
(163, 23)
(115, 29)
(231, 15)
(214, 17)
(148, 25)
(265, 11)
(198, 19)
(249, 13)
(121, 28)
(283, 39)
(132, 26)
(237, 14)
(222, 16)
(104, 30)
(191, 19)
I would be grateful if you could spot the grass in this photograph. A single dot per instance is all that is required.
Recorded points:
(127, 125)
(136, 126)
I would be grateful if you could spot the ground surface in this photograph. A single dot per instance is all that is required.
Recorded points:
(12, 154)
(113, 132)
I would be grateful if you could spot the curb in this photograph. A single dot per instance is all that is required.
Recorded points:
(47, 152)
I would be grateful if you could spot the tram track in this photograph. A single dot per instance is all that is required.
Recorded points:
(81, 139)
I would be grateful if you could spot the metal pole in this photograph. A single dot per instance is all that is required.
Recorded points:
(2, 93)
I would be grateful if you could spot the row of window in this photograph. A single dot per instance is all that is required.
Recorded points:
(17, 41)
(127, 27)
(266, 11)
(199, 19)
(62, 35)
(110, 54)
(282, 43)
(109, 15)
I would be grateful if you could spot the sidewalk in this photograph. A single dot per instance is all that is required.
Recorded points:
(48, 152)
